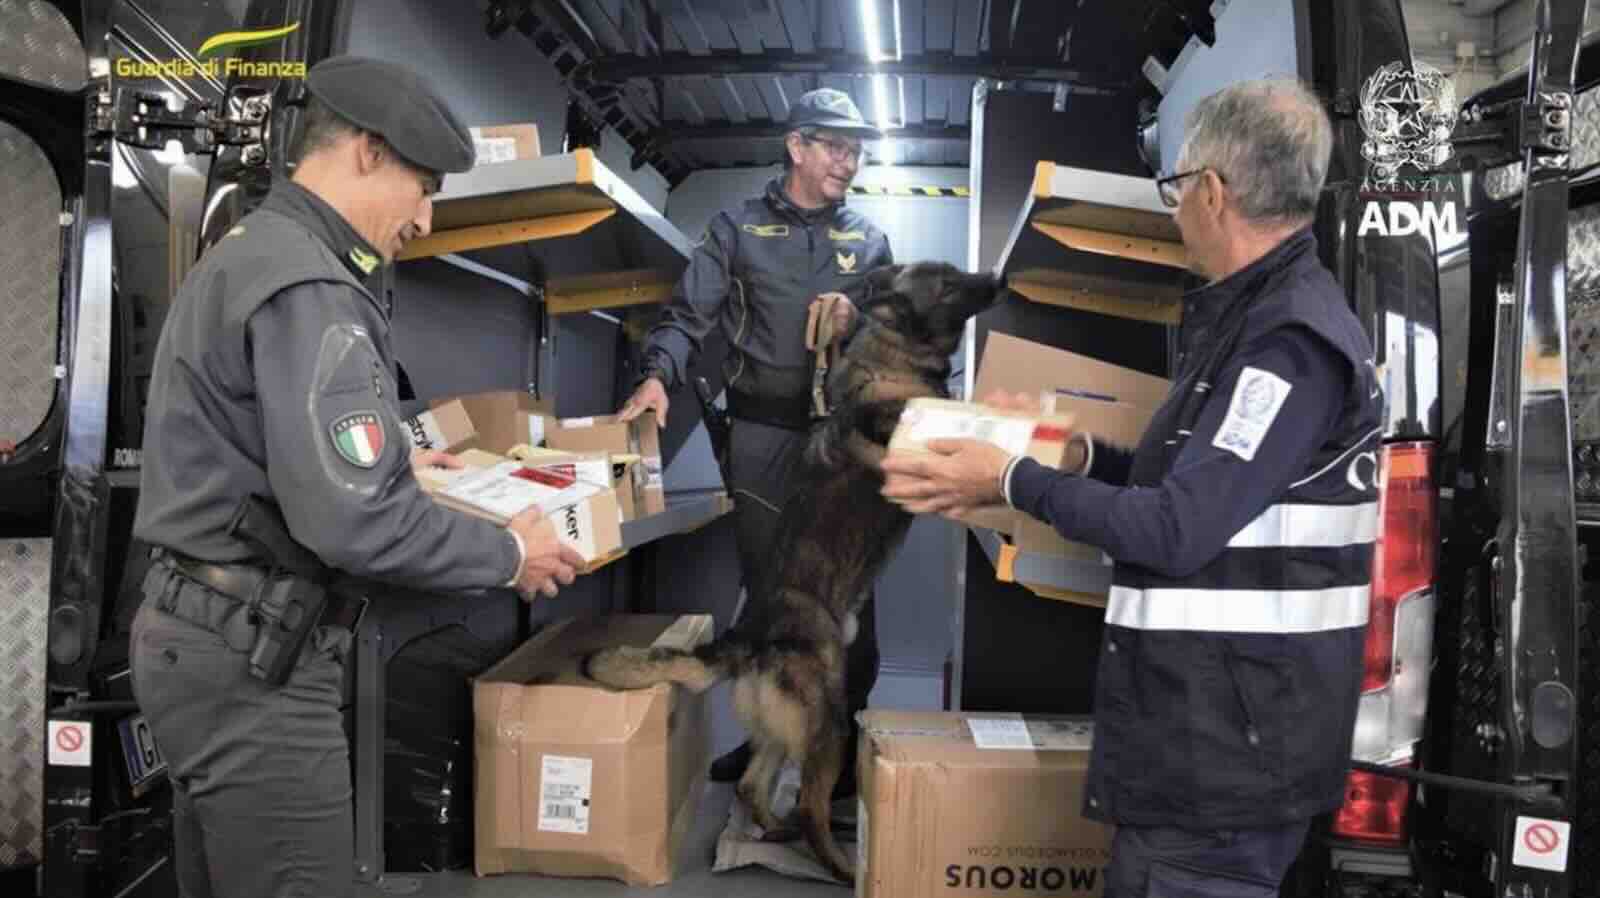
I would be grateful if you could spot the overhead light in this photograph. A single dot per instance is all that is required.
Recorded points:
(872, 30)
(897, 55)
(880, 98)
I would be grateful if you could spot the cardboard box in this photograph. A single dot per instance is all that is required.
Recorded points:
(573, 779)
(640, 437)
(1041, 437)
(446, 426)
(497, 488)
(508, 418)
(614, 471)
(505, 143)
(968, 804)
(1112, 403)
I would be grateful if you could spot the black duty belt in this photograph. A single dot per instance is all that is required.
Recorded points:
(242, 583)
(787, 413)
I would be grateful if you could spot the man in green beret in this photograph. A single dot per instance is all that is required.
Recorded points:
(274, 377)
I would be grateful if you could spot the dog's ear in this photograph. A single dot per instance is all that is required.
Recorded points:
(880, 280)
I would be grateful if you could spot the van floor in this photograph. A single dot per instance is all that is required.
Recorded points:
(694, 879)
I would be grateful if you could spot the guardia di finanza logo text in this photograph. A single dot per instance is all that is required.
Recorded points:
(209, 66)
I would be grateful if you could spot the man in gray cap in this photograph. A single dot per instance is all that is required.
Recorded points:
(756, 273)
(274, 377)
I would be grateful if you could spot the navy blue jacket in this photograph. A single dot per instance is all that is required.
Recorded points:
(1242, 529)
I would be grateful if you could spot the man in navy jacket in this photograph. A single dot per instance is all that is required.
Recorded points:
(1242, 526)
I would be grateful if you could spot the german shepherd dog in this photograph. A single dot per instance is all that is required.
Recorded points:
(835, 534)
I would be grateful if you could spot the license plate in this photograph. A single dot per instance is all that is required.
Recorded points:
(139, 753)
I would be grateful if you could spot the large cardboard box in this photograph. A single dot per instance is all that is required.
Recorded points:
(445, 426)
(1043, 438)
(504, 143)
(497, 488)
(967, 804)
(573, 779)
(640, 437)
(1112, 403)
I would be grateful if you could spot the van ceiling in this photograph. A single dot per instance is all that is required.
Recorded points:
(695, 84)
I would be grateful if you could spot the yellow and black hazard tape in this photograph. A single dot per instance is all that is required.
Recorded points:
(910, 191)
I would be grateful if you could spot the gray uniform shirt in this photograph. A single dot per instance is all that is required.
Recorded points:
(274, 376)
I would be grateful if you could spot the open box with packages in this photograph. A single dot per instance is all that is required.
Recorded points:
(574, 779)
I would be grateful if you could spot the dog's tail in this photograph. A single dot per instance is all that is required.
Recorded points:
(818, 775)
(630, 667)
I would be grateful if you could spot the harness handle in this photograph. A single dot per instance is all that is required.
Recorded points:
(820, 342)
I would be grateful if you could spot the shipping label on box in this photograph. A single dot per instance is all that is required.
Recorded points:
(969, 804)
(504, 143)
(574, 779)
(585, 515)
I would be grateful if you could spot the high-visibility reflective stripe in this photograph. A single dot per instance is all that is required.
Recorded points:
(1239, 610)
(1309, 526)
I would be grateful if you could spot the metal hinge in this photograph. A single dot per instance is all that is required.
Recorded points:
(143, 119)
(1547, 127)
(1501, 133)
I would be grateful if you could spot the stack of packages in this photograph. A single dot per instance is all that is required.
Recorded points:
(1074, 393)
(987, 804)
(571, 778)
(587, 474)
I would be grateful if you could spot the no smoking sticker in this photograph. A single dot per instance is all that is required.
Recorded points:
(69, 743)
(1542, 844)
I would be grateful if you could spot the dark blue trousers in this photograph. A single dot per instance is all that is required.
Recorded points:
(1167, 862)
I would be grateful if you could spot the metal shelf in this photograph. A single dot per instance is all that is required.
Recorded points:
(604, 246)
(1098, 242)
(687, 511)
(1048, 576)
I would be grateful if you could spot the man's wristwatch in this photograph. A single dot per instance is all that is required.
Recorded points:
(522, 557)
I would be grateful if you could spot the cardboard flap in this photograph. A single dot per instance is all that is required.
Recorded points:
(553, 654)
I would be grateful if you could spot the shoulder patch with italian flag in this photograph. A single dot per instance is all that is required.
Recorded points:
(358, 438)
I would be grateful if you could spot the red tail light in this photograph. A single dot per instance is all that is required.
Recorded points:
(1399, 644)
(1408, 537)
(1374, 809)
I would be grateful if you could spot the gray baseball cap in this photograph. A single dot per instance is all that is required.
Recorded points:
(831, 109)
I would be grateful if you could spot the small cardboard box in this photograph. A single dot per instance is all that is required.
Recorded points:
(573, 779)
(1113, 404)
(497, 488)
(445, 426)
(1043, 438)
(640, 437)
(505, 143)
(614, 471)
(969, 804)
(507, 418)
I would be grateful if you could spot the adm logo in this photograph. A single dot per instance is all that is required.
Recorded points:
(1407, 116)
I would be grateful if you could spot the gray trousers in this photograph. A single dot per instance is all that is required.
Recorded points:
(260, 776)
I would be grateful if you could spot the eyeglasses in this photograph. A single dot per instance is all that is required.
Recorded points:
(838, 150)
(1168, 186)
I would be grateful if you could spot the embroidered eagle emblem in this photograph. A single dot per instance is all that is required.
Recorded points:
(847, 261)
